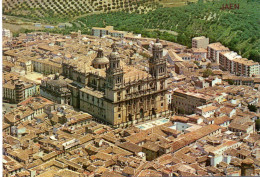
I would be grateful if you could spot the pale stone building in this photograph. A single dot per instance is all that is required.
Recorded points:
(200, 42)
(235, 64)
(119, 94)
(17, 89)
(56, 89)
(186, 102)
(214, 49)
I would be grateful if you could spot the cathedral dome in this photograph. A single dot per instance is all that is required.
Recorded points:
(100, 61)
(103, 60)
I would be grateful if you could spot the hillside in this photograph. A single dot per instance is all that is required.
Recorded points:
(237, 29)
(59, 10)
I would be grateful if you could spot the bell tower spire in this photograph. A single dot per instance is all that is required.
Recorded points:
(157, 63)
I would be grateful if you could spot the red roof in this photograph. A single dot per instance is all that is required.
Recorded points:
(30, 100)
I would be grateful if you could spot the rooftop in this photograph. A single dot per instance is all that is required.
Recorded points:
(217, 46)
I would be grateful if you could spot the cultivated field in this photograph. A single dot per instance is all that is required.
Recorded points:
(72, 8)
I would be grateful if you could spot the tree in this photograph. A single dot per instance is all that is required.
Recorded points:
(254, 55)
(230, 82)
(207, 73)
(252, 108)
(197, 63)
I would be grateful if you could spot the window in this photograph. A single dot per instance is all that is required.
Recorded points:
(139, 87)
(161, 104)
(119, 116)
(118, 80)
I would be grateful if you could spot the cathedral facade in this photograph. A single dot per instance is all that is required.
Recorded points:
(119, 94)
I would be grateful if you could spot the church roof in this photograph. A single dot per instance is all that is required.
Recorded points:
(85, 64)
(100, 59)
(103, 60)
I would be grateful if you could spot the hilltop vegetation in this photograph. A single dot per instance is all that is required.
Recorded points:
(237, 29)
(62, 10)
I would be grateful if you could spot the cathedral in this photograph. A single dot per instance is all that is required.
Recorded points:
(120, 94)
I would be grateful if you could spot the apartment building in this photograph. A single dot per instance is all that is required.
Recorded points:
(200, 42)
(6, 33)
(245, 67)
(214, 50)
(108, 30)
(235, 64)
(100, 32)
(115, 33)
(17, 89)
(225, 60)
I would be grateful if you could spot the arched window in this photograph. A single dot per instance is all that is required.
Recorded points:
(153, 111)
(130, 117)
(141, 113)
(79, 79)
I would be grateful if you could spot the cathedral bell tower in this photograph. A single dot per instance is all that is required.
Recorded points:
(157, 63)
(114, 85)
(114, 73)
